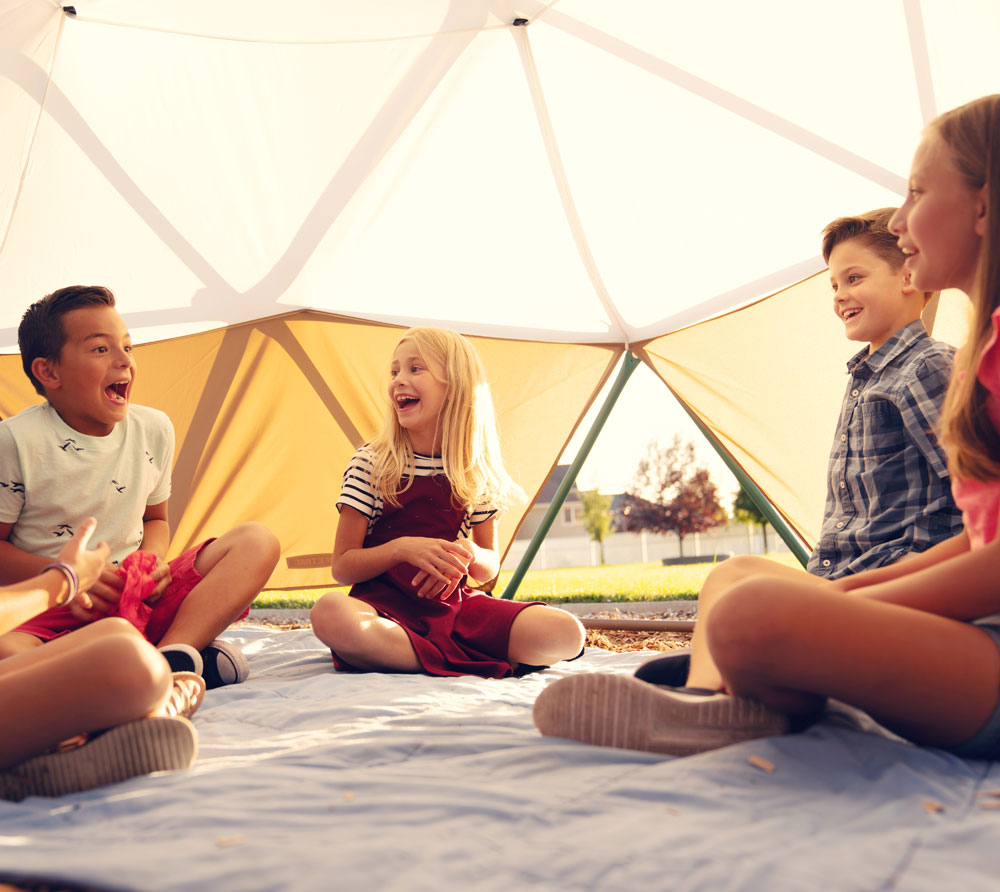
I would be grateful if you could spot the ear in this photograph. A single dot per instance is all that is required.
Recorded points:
(907, 284)
(981, 206)
(46, 371)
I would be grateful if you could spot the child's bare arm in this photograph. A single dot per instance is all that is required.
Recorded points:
(965, 586)
(155, 539)
(51, 588)
(485, 562)
(911, 563)
(443, 561)
(17, 565)
(155, 529)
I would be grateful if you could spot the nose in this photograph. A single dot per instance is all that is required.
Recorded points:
(896, 221)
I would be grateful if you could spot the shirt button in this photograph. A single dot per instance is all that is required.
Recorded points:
(842, 484)
(826, 563)
(843, 438)
(855, 392)
(840, 525)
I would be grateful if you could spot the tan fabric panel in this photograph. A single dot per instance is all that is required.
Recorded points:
(268, 413)
(769, 380)
(16, 391)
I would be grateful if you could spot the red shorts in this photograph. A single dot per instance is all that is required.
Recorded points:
(183, 577)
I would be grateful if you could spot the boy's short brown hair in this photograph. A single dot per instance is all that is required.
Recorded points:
(872, 228)
(41, 333)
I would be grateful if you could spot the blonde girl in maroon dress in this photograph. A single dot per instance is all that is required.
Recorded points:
(418, 512)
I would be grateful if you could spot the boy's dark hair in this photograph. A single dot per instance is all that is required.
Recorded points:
(872, 228)
(41, 333)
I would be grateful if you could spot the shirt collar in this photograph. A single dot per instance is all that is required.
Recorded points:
(899, 343)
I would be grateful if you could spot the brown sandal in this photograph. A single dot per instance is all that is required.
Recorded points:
(187, 694)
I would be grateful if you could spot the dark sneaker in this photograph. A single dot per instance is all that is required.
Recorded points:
(621, 711)
(182, 658)
(159, 743)
(671, 670)
(224, 664)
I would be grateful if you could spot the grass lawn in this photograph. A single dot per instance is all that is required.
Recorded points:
(621, 582)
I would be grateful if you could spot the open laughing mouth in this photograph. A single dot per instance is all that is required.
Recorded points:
(848, 315)
(117, 392)
(406, 402)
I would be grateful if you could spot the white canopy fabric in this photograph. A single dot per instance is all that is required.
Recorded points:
(566, 180)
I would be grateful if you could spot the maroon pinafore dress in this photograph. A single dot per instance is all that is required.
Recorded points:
(465, 634)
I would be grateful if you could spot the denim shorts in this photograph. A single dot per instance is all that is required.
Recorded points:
(985, 743)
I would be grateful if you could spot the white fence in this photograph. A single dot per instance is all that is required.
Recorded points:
(629, 548)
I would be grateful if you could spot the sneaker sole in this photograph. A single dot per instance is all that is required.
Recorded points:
(624, 712)
(159, 743)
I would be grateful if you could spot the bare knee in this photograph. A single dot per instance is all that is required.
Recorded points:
(541, 636)
(748, 626)
(731, 571)
(129, 668)
(257, 544)
(335, 623)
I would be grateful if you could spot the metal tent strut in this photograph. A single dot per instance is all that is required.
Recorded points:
(629, 364)
(762, 502)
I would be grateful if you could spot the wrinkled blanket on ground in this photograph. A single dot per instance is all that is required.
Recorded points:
(310, 779)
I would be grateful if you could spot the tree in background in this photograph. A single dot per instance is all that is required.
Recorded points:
(596, 516)
(745, 510)
(671, 494)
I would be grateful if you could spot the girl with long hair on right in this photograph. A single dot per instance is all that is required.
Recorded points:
(914, 644)
(418, 511)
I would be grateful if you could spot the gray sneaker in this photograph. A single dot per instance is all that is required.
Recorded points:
(159, 743)
(622, 711)
(223, 664)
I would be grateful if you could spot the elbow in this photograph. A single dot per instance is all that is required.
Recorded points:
(340, 573)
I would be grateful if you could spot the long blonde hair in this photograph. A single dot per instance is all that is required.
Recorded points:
(470, 444)
(972, 134)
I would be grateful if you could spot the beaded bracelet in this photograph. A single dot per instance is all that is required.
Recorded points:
(71, 578)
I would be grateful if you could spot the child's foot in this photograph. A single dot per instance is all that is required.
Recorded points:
(671, 670)
(186, 695)
(224, 664)
(621, 711)
(159, 743)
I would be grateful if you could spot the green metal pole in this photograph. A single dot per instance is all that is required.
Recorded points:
(759, 499)
(629, 363)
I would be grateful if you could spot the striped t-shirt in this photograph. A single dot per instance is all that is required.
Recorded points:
(356, 489)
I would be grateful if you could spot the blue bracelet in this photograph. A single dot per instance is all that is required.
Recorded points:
(71, 578)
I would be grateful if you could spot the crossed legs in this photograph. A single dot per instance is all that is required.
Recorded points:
(790, 642)
(539, 635)
(102, 675)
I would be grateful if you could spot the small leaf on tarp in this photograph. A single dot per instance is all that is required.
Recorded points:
(760, 762)
(224, 842)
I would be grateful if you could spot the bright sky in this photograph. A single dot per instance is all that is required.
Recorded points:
(645, 411)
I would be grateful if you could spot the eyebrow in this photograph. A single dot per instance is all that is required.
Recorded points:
(105, 334)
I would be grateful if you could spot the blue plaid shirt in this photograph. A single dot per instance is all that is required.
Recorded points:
(888, 491)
